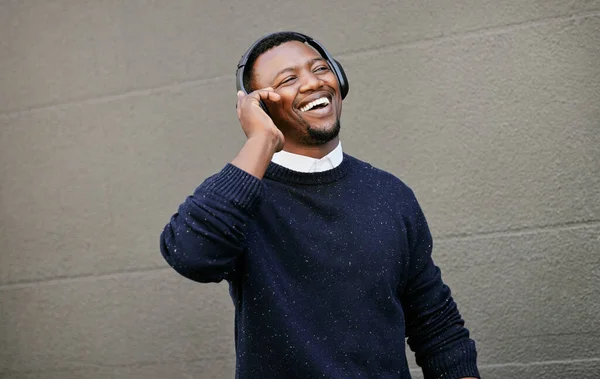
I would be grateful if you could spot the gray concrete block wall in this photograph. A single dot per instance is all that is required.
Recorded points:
(112, 113)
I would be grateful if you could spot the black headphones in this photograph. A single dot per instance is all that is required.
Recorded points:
(334, 65)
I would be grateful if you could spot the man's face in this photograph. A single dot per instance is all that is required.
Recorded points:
(311, 102)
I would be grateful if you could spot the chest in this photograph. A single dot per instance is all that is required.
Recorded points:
(318, 237)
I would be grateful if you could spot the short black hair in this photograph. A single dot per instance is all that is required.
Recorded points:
(264, 46)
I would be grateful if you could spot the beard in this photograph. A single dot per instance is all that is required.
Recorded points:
(320, 136)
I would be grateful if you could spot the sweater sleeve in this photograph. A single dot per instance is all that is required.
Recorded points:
(434, 326)
(203, 240)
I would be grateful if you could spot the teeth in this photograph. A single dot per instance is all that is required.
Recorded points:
(319, 101)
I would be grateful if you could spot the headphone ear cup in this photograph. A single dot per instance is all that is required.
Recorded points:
(343, 80)
(264, 107)
(239, 81)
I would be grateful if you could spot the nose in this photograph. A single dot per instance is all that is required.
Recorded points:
(311, 82)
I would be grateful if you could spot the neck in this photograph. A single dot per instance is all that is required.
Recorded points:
(316, 152)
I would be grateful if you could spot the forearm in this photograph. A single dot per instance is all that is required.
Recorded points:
(204, 239)
(256, 154)
(434, 326)
(435, 329)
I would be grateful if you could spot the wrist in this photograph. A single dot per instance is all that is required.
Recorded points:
(264, 141)
(256, 154)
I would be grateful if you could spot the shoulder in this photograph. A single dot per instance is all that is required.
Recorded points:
(386, 188)
(381, 179)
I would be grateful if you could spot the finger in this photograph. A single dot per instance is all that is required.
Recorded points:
(268, 94)
(238, 106)
(272, 96)
(266, 89)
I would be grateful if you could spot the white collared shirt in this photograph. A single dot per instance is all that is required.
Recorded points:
(301, 163)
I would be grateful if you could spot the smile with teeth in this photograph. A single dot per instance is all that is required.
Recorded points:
(320, 101)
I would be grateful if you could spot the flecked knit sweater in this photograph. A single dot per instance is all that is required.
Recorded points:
(329, 272)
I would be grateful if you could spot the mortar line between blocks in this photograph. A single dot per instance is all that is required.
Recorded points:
(473, 33)
(417, 371)
(540, 363)
(144, 271)
(100, 99)
(483, 31)
(81, 277)
(521, 231)
(140, 364)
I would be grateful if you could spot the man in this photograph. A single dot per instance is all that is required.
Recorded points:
(328, 258)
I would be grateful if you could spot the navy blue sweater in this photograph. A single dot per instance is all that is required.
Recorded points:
(329, 273)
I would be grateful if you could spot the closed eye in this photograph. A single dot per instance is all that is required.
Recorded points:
(287, 80)
(322, 68)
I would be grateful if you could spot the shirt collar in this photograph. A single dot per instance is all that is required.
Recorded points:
(301, 163)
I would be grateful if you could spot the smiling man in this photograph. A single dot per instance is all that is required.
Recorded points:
(328, 258)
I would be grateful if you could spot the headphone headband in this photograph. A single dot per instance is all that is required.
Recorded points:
(246, 55)
(335, 66)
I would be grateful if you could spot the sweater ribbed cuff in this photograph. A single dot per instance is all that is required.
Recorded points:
(459, 362)
(235, 184)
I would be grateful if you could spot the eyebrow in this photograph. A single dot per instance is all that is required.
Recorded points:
(295, 68)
